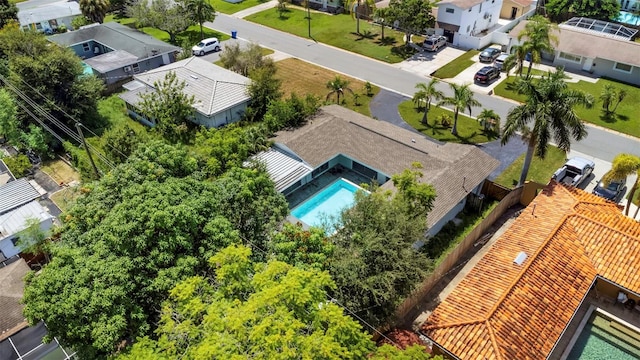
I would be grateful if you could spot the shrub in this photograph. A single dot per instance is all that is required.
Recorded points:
(19, 165)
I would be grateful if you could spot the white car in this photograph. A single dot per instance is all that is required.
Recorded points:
(499, 63)
(206, 45)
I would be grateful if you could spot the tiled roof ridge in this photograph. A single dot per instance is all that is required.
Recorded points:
(456, 324)
(526, 267)
(387, 137)
(494, 341)
(213, 95)
(601, 224)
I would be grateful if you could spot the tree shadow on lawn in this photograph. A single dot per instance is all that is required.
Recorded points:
(611, 117)
(387, 41)
(403, 51)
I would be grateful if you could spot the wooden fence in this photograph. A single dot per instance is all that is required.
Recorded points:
(417, 297)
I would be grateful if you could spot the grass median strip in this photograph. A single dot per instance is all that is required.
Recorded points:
(469, 130)
(540, 170)
(456, 66)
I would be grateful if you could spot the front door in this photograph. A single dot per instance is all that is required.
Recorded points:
(514, 12)
(165, 59)
(587, 64)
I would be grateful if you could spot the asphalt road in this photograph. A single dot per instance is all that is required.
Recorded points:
(600, 143)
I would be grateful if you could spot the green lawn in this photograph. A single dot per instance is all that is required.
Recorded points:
(540, 170)
(229, 8)
(66, 197)
(469, 130)
(456, 66)
(626, 119)
(339, 31)
(189, 36)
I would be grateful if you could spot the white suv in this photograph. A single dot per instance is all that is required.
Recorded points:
(499, 62)
(206, 45)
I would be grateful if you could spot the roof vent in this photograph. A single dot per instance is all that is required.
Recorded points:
(193, 77)
(522, 256)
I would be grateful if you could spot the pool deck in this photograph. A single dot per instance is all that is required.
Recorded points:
(608, 304)
(310, 189)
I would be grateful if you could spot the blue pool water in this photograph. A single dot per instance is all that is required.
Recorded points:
(600, 340)
(628, 18)
(87, 70)
(327, 203)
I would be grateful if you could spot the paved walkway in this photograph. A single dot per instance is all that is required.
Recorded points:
(255, 9)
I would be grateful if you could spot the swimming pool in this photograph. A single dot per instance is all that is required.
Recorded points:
(86, 69)
(328, 203)
(628, 18)
(606, 338)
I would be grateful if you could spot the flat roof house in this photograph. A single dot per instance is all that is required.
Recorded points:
(116, 52)
(598, 47)
(337, 136)
(568, 259)
(221, 95)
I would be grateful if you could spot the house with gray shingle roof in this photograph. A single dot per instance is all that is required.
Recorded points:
(221, 95)
(116, 52)
(377, 150)
(48, 17)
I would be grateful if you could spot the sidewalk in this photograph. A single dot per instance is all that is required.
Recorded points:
(256, 9)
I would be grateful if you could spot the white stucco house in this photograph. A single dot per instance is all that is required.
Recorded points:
(47, 17)
(221, 96)
(467, 18)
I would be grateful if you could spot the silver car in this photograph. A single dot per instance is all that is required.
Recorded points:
(206, 45)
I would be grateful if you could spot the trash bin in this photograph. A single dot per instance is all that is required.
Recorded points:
(234, 34)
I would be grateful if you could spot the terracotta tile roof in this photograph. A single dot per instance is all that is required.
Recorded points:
(502, 310)
(453, 169)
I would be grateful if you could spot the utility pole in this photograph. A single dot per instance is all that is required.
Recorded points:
(86, 148)
(309, 17)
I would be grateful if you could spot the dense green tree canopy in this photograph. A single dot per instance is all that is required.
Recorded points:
(561, 10)
(258, 311)
(51, 75)
(374, 264)
(145, 226)
(168, 16)
(8, 12)
(413, 16)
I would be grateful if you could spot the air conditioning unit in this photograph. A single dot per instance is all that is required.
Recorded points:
(487, 15)
(127, 69)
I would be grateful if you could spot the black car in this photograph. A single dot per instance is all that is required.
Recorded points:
(613, 192)
(486, 74)
(489, 54)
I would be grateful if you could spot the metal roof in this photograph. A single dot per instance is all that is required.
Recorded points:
(15, 220)
(599, 27)
(16, 193)
(214, 88)
(284, 169)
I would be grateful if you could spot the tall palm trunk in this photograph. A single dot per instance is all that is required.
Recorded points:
(454, 129)
(527, 160)
(632, 192)
(529, 68)
(201, 32)
(424, 115)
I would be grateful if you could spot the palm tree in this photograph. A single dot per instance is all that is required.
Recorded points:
(620, 95)
(202, 11)
(539, 39)
(94, 10)
(338, 86)
(381, 14)
(462, 99)
(549, 108)
(358, 8)
(489, 120)
(622, 166)
(516, 59)
(607, 95)
(426, 93)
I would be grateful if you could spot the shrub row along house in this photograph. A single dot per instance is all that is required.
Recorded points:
(565, 271)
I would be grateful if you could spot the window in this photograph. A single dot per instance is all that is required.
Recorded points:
(86, 47)
(449, 10)
(480, 8)
(470, 8)
(569, 57)
(136, 68)
(623, 67)
(468, 28)
(319, 170)
(364, 170)
(39, 26)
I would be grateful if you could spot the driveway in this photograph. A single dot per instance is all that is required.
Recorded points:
(466, 77)
(425, 62)
(384, 107)
(506, 154)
